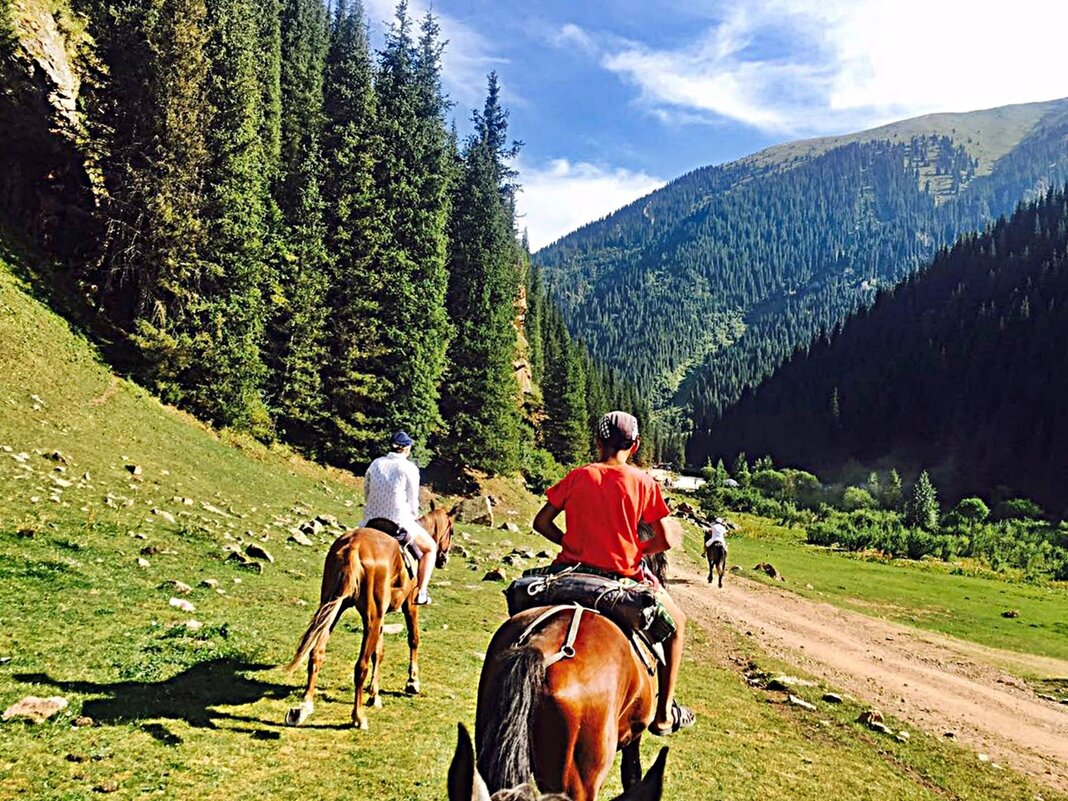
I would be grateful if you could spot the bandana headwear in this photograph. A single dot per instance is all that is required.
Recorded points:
(618, 430)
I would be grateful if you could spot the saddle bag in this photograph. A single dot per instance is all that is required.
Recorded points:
(631, 606)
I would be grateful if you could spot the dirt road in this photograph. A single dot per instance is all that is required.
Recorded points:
(936, 683)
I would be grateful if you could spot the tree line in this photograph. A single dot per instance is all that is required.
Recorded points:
(299, 243)
(957, 370)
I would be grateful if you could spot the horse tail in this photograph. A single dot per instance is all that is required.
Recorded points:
(322, 621)
(505, 745)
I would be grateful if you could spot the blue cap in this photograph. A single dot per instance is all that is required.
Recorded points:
(402, 439)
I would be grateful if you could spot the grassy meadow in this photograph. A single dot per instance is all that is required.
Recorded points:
(180, 712)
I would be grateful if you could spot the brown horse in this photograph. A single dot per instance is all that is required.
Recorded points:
(364, 568)
(557, 699)
(465, 783)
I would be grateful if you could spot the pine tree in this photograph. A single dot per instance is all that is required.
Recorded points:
(412, 179)
(565, 431)
(892, 493)
(354, 381)
(298, 298)
(921, 510)
(741, 470)
(479, 394)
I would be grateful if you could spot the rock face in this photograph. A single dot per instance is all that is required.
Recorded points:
(45, 186)
(474, 510)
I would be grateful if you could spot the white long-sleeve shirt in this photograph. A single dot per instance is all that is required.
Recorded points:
(391, 486)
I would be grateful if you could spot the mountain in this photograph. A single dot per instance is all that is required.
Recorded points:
(960, 370)
(702, 288)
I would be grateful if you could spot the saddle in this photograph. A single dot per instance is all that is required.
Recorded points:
(410, 553)
(630, 605)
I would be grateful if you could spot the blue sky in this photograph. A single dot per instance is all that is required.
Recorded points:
(614, 97)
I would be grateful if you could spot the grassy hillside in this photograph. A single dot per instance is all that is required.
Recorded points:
(194, 713)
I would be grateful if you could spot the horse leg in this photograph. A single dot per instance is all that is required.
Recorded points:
(411, 618)
(372, 632)
(374, 699)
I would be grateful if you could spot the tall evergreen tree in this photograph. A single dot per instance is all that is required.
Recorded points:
(298, 298)
(412, 178)
(355, 380)
(479, 393)
(565, 434)
(921, 510)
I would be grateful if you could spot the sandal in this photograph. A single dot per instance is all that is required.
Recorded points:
(682, 717)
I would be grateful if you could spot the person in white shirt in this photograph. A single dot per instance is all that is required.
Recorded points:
(391, 487)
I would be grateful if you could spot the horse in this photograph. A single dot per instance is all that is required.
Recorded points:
(364, 568)
(716, 554)
(561, 691)
(465, 783)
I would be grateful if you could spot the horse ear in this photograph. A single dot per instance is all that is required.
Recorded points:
(464, 782)
(649, 788)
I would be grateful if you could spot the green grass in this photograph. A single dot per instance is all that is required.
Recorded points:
(183, 714)
(926, 594)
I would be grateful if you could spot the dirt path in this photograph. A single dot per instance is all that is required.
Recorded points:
(936, 683)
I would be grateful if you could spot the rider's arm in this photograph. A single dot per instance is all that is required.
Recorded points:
(544, 523)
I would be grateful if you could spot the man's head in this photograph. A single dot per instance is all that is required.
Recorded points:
(617, 431)
(401, 442)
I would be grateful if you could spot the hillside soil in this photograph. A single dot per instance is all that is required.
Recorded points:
(938, 684)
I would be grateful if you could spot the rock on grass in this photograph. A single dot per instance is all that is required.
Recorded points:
(34, 709)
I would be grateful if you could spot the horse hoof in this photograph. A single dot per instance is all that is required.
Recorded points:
(299, 714)
(361, 724)
(375, 701)
(412, 688)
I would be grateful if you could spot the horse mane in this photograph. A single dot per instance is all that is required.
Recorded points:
(504, 759)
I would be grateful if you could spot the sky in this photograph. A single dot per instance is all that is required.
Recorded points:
(613, 98)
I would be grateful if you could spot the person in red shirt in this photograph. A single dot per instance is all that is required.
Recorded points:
(604, 504)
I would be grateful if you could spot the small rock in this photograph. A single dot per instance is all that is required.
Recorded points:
(58, 457)
(392, 628)
(83, 722)
(134, 469)
(459, 551)
(832, 698)
(182, 605)
(312, 527)
(86, 476)
(983, 757)
(474, 510)
(26, 533)
(869, 716)
(106, 787)
(210, 583)
(511, 528)
(508, 560)
(62, 482)
(258, 552)
(497, 574)
(299, 537)
(164, 515)
(902, 736)
(178, 586)
(193, 625)
(149, 550)
(950, 735)
(882, 728)
(793, 699)
(142, 562)
(215, 510)
(34, 709)
(1010, 613)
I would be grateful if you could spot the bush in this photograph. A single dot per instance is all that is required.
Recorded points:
(1018, 509)
(855, 498)
(771, 482)
(802, 488)
(539, 468)
(919, 543)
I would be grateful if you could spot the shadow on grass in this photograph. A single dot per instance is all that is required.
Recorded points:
(189, 696)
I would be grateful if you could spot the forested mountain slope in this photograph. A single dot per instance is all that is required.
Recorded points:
(960, 370)
(721, 274)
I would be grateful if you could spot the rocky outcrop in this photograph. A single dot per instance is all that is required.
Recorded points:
(45, 185)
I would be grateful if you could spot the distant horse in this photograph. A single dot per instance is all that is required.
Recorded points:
(364, 568)
(560, 692)
(465, 783)
(716, 551)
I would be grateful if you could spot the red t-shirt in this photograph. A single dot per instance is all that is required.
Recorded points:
(603, 505)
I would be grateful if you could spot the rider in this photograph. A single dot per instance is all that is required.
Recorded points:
(605, 501)
(391, 487)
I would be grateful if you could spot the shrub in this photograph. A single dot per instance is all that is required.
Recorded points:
(539, 468)
(855, 498)
(919, 543)
(802, 488)
(1018, 509)
(770, 482)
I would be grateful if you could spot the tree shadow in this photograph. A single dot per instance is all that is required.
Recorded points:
(190, 696)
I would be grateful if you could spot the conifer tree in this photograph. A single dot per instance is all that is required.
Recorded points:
(565, 431)
(355, 379)
(412, 179)
(479, 395)
(892, 493)
(298, 298)
(921, 510)
(741, 470)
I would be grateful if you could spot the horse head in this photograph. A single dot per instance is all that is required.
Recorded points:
(465, 784)
(439, 524)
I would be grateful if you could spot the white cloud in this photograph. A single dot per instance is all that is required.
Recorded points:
(560, 196)
(811, 66)
(469, 56)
